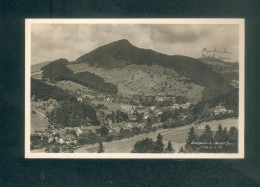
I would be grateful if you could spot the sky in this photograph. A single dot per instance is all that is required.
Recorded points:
(53, 41)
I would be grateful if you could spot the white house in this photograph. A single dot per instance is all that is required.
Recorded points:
(61, 141)
(79, 99)
(219, 109)
(152, 107)
(175, 106)
(79, 131)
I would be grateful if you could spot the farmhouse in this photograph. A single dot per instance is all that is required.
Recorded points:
(68, 138)
(146, 116)
(79, 131)
(132, 109)
(186, 105)
(153, 108)
(129, 126)
(175, 106)
(230, 111)
(79, 99)
(219, 109)
(132, 117)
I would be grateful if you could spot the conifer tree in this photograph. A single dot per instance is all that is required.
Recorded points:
(219, 134)
(207, 136)
(159, 146)
(233, 135)
(169, 148)
(225, 135)
(191, 136)
(101, 147)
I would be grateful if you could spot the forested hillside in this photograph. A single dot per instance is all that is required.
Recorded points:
(69, 111)
(58, 71)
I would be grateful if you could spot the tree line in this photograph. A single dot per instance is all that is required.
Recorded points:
(147, 145)
(223, 141)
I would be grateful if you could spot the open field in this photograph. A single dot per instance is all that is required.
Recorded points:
(38, 122)
(37, 67)
(38, 150)
(37, 75)
(176, 135)
(126, 145)
(69, 85)
(225, 123)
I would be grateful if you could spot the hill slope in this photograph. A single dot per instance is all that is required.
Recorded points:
(144, 80)
(122, 53)
(37, 67)
(229, 70)
(58, 71)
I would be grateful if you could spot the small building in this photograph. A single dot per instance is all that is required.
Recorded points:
(132, 109)
(175, 106)
(230, 111)
(51, 139)
(71, 138)
(140, 106)
(219, 109)
(158, 113)
(79, 99)
(186, 105)
(152, 107)
(79, 131)
(129, 126)
(159, 99)
(132, 117)
(61, 141)
(117, 129)
(146, 116)
(68, 138)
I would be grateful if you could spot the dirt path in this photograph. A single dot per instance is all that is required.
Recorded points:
(40, 113)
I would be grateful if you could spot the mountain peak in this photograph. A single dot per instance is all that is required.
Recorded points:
(122, 42)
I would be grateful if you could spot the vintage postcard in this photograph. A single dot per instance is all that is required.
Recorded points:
(134, 88)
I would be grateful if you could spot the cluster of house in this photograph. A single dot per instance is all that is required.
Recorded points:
(116, 127)
(65, 136)
(102, 97)
(145, 110)
(184, 106)
(221, 110)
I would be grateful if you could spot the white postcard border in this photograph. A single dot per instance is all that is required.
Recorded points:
(239, 155)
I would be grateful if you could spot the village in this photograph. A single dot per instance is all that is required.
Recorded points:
(120, 117)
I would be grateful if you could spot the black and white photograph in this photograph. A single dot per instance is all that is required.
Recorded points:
(134, 88)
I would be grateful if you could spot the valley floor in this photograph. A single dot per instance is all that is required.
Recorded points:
(176, 135)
